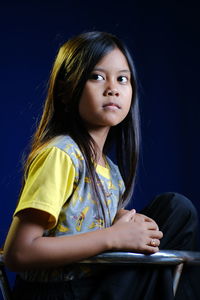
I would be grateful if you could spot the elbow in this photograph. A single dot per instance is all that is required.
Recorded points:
(15, 261)
(9, 261)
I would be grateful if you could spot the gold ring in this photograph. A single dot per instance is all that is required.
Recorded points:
(153, 242)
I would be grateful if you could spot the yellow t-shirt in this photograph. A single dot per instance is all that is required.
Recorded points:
(56, 174)
(49, 183)
(58, 183)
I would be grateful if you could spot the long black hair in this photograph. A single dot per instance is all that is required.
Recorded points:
(72, 67)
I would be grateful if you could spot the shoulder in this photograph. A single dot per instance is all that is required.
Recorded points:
(60, 152)
(67, 145)
(57, 152)
(62, 142)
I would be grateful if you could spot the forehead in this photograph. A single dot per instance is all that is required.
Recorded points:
(115, 60)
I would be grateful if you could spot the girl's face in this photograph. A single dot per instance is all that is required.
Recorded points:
(107, 94)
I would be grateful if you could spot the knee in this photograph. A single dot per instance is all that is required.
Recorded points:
(179, 203)
(184, 205)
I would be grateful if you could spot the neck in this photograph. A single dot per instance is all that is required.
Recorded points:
(99, 136)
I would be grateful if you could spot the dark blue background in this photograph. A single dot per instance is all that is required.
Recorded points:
(164, 38)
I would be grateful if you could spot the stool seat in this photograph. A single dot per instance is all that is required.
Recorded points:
(161, 258)
(175, 258)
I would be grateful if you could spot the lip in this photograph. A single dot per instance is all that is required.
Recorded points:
(111, 105)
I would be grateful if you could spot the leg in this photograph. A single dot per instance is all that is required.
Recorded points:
(110, 283)
(24, 290)
(126, 282)
(178, 220)
(176, 217)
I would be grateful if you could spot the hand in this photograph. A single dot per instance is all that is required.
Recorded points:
(121, 212)
(135, 232)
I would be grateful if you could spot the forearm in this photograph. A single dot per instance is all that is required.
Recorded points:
(46, 252)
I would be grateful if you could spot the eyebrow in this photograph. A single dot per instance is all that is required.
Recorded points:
(120, 71)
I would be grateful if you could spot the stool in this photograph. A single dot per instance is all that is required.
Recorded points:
(175, 258)
(166, 257)
(4, 283)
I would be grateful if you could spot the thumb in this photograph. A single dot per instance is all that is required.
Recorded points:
(129, 215)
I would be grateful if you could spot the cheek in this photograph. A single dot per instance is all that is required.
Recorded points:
(129, 100)
(86, 105)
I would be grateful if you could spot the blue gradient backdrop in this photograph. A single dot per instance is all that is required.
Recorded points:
(164, 38)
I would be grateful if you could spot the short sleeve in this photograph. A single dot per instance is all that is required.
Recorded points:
(49, 183)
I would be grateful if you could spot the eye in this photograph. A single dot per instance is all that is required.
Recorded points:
(122, 79)
(95, 76)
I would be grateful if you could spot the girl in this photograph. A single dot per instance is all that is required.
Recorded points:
(72, 202)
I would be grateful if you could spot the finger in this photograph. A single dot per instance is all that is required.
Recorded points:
(129, 215)
(154, 242)
(120, 213)
(152, 226)
(155, 234)
(123, 211)
(147, 219)
(150, 249)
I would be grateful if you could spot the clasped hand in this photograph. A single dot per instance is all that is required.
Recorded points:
(135, 232)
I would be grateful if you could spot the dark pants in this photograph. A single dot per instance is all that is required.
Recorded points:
(177, 219)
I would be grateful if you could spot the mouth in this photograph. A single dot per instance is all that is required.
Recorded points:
(111, 105)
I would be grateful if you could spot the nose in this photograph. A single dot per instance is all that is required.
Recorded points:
(111, 92)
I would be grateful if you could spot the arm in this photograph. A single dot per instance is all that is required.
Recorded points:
(26, 248)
